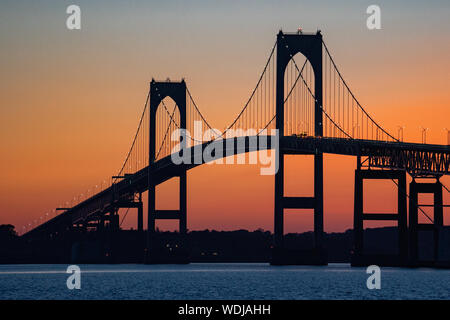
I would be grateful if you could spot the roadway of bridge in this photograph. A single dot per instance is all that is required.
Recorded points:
(412, 157)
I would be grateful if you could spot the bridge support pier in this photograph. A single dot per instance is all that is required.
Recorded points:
(114, 222)
(101, 223)
(359, 258)
(179, 214)
(161, 249)
(131, 203)
(416, 188)
(140, 215)
(280, 254)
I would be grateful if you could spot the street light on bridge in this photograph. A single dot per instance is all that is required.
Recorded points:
(448, 135)
(355, 133)
(424, 134)
(400, 133)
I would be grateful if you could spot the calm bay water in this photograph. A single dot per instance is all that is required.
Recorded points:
(220, 281)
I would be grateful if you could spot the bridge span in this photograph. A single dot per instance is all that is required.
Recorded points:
(314, 112)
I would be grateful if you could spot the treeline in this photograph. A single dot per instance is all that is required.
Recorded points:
(202, 246)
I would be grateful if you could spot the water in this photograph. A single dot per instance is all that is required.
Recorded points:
(220, 281)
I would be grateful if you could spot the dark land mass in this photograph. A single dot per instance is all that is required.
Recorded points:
(128, 246)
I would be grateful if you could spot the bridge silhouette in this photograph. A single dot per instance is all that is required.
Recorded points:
(306, 109)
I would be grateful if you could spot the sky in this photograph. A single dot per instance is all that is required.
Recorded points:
(70, 100)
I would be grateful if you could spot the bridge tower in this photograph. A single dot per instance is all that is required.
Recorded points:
(177, 92)
(310, 45)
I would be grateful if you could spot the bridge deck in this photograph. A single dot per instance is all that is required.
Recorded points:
(415, 158)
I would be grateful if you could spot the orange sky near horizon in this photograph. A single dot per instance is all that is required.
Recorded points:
(70, 100)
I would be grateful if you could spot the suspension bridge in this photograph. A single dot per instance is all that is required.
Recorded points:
(296, 107)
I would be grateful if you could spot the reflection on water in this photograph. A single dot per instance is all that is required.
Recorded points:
(220, 281)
